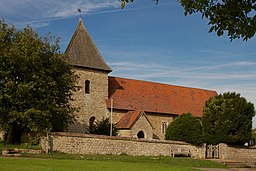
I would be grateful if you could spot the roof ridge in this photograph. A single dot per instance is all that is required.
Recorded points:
(167, 84)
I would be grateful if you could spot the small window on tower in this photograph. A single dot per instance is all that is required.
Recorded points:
(87, 87)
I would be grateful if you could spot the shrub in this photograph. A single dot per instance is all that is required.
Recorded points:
(186, 128)
(102, 128)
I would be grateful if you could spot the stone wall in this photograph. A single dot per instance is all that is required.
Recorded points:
(236, 153)
(75, 143)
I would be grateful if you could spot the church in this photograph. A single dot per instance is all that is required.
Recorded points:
(140, 109)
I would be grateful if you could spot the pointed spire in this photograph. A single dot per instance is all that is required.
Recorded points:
(82, 52)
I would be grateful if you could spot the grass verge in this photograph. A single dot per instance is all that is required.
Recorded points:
(3, 145)
(18, 164)
(163, 161)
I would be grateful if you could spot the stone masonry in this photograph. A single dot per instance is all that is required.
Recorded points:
(75, 143)
(92, 104)
(236, 153)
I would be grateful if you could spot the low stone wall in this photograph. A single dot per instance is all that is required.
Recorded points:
(76, 143)
(236, 153)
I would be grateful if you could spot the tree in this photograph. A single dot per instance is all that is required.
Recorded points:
(236, 17)
(123, 2)
(185, 127)
(227, 119)
(35, 83)
(102, 127)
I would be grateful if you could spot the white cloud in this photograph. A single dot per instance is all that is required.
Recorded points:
(69, 8)
(37, 11)
(210, 72)
(236, 64)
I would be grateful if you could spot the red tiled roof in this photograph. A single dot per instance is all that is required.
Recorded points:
(128, 94)
(127, 121)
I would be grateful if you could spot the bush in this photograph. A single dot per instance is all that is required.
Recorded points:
(102, 128)
(186, 128)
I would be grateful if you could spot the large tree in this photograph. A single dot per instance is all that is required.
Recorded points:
(185, 127)
(236, 17)
(35, 83)
(227, 118)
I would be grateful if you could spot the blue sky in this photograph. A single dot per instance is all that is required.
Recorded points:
(147, 41)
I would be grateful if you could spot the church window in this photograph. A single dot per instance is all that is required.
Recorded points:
(164, 127)
(91, 120)
(87, 87)
(91, 124)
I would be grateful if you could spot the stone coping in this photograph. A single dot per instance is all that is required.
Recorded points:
(80, 135)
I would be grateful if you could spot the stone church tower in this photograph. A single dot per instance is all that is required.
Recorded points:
(92, 71)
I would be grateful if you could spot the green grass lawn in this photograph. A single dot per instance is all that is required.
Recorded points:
(67, 162)
(28, 164)
(64, 162)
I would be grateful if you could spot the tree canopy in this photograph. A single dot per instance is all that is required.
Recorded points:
(35, 83)
(227, 118)
(235, 17)
(185, 127)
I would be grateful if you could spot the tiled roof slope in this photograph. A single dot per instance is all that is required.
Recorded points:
(128, 94)
(82, 52)
(127, 121)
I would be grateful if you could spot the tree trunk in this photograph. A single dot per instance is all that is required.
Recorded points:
(14, 135)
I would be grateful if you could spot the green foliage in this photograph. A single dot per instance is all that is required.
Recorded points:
(254, 134)
(228, 119)
(102, 127)
(35, 83)
(186, 128)
(236, 17)
(123, 2)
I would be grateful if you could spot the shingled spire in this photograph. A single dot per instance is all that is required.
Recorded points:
(82, 52)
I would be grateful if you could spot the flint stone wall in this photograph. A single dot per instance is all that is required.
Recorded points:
(236, 153)
(76, 143)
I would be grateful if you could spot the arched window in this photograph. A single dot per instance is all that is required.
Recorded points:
(91, 124)
(91, 120)
(140, 134)
(87, 87)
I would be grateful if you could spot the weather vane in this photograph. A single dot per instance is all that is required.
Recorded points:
(80, 11)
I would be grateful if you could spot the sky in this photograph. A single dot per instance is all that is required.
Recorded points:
(148, 42)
